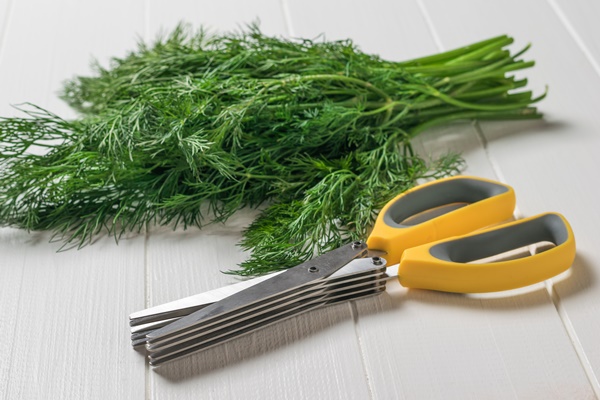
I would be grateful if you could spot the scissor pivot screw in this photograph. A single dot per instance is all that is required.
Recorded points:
(313, 269)
(356, 244)
(376, 260)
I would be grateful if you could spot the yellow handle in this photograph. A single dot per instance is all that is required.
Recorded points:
(443, 265)
(477, 203)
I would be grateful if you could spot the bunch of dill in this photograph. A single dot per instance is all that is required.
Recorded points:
(194, 127)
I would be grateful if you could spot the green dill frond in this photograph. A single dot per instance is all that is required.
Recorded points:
(317, 131)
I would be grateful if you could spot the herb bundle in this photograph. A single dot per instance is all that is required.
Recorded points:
(196, 126)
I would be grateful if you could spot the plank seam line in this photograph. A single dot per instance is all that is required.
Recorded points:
(147, 298)
(500, 354)
(4, 31)
(429, 22)
(361, 348)
(12, 348)
(146, 20)
(147, 280)
(574, 338)
(476, 126)
(495, 166)
(148, 377)
(287, 18)
(574, 35)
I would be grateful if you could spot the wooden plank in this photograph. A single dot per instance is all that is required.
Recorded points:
(64, 315)
(550, 162)
(64, 322)
(416, 344)
(420, 344)
(12, 277)
(298, 358)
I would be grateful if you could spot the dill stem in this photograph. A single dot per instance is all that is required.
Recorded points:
(455, 53)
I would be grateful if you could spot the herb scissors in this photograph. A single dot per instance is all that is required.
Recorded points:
(438, 233)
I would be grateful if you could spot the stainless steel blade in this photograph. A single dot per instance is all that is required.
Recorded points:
(356, 269)
(376, 279)
(360, 270)
(187, 305)
(162, 356)
(286, 283)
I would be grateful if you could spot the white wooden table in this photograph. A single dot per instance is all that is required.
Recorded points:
(63, 316)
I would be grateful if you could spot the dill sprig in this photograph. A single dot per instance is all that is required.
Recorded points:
(192, 128)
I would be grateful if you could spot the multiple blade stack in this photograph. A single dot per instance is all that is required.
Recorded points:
(150, 319)
(196, 323)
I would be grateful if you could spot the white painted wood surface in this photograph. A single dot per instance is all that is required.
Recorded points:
(63, 316)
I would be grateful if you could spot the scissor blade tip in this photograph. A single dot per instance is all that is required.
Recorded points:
(151, 336)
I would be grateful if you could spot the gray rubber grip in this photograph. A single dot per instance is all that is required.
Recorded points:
(461, 190)
(547, 228)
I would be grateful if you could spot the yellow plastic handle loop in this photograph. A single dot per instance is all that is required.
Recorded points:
(474, 203)
(443, 265)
